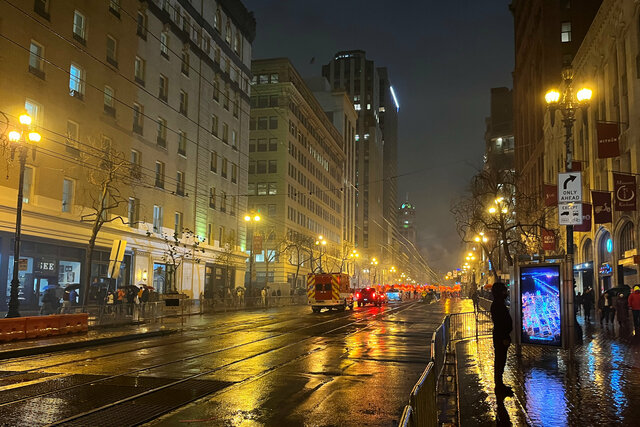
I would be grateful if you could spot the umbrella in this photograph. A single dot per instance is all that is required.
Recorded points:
(72, 286)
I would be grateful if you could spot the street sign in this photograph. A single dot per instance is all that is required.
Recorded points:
(570, 214)
(569, 187)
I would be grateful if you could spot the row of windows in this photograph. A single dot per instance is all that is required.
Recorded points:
(263, 188)
(225, 201)
(263, 166)
(264, 101)
(261, 145)
(263, 123)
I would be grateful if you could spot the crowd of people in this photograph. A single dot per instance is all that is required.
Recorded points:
(611, 305)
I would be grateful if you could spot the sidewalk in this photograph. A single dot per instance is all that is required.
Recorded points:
(601, 387)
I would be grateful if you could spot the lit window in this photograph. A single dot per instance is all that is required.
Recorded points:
(357, 107)
(67, 195)
(157, 218)
(139, 68)
(36, 57)
(79, 26)
(164, 44)
(76, 80)
(565, 35)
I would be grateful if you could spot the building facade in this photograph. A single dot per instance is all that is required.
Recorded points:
(165, 85)
(296, 176)
(607, 63)
(547, 36)
(406, 221)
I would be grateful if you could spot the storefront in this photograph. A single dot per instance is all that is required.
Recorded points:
(215, 282)
(605, 259)
(627, 266)
(49, 264)
(583, 272)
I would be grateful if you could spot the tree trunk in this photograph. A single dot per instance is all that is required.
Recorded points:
(88, 259)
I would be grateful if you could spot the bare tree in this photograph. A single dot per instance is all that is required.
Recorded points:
(298, 247)
(179, 247)
(226, 258)
(109, 172)
(509, 218)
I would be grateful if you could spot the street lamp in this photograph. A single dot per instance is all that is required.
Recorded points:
(354, 255)
(374, 262)
(252, 220)
(320, 243)
(567, 104)
(21, 138)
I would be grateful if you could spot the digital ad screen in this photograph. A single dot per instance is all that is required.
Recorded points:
(540, 297)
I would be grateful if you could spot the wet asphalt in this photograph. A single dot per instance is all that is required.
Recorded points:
(282, 366)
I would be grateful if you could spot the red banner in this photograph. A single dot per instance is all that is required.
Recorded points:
(548, 240)
(257, 244)
(550, 195)
(608, 134)
(624, 189)
(585, 227)
(601, 206)
(576, 166)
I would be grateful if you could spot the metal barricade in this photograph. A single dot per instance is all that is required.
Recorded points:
(469, 325)
(423, 399)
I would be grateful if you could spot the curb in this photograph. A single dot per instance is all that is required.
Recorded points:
(30, 351)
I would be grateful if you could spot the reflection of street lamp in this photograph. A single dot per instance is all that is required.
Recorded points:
(21, 139)
(567, 104)
(320, 243)
(251, 220)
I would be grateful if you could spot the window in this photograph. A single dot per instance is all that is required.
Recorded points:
(224, 167)
(234, 141)
(216, 54)
(272, 188)
(227, 33)
(565, 32)
(36, 59)
(223, 201)
(217, 20)
(139, 69)
(136, 172)
(182, 143)
(114, 7)
(79, 27)
(157, 218)
(264, 78)
(180, 183)
(132, 212)
(214, 124)
(274, 78)
(225, 97)
(185, 63)
(225, 132)
(72, 133)
(209, 234)
(214, 162)
(34, 109)
(234, 173)
(236, 104)
(273, 166)
(207, 44)
(163, 90)
(184, 102)
(164, 44)
(67, 195)
(112, 50)
(212, 197)
(273, 122)
(252, 188)
(273, 101)
(159, 175)
(161, 137)
(271, 210)
(262, 166)
(273, 144)
(262, 189)
(141, 30)
(237, 43)
(109, 105)
(263, 123)
(252, 166)
(262, 144)
(76, 81)
(216, 89)
(41, 7)
(27, 184)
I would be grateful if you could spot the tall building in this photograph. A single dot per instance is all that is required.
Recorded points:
(499, 150)
(339, 109)
(547, 35)
(406, 221)
(353, 72)
(163, 84)
(388, 116)
(296, 167)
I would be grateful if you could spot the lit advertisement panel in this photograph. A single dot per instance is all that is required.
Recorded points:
(540, 310)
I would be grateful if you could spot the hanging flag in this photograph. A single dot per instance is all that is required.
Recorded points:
(586, 219)
(601, 206)
(548, 240)
(608, 135)
(624, 189)
(550, 195)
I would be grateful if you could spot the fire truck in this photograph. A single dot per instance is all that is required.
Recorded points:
(329, 290)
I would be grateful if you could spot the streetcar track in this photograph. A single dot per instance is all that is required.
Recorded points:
(128, 373)
(235, 384)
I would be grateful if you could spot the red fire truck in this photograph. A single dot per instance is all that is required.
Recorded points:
(329, 290)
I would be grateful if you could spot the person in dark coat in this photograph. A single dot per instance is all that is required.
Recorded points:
(604, 305)
(587, 303)
(622, 310)
(502, 327)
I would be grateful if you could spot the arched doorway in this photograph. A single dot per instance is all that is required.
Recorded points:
(584, 270)
(627, 270)
(605, 261)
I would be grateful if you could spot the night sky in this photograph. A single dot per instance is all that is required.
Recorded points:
(443, 57)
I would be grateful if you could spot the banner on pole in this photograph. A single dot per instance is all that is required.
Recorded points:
(586, 219)
(608, 135)
(548, 240)
(601, 207)
(624, 189)
(550, 195)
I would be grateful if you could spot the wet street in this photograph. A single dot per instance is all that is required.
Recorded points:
(282, 366)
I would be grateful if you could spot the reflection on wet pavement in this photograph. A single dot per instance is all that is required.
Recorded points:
(600, 387)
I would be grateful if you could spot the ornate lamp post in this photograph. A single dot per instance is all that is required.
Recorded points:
(252, 220)
(21, 141)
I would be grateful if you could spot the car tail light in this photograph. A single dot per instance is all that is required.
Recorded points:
(374, 295)
(357, 295)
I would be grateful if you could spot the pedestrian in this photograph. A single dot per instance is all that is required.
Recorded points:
(502, 327)
(578, 302)
(475, 298)
(603, 306)
(110, 300)
(131, 294)
(622, 309)
(120, 300)
(263, 294)
(634, 303)
(73, 297)
(587, 303)
(144, 299)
